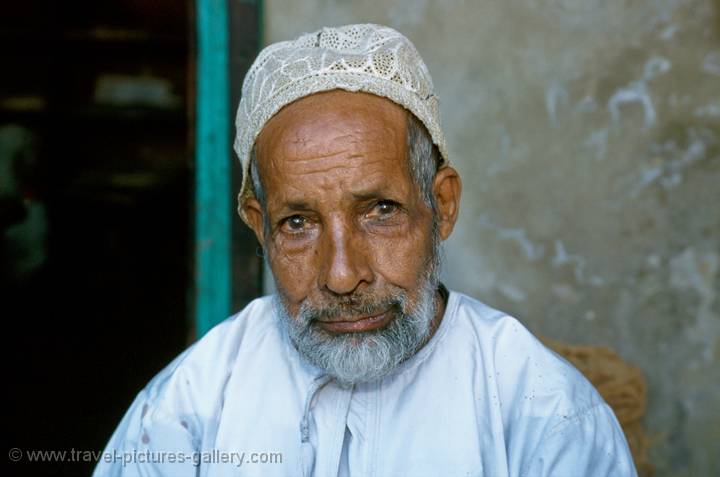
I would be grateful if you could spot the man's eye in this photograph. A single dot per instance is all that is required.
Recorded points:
(386, 207)
(295, 223)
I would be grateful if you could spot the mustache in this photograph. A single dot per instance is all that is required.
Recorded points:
(354, 305)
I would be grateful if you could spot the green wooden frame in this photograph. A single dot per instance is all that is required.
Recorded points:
(213, 181)
(228, 273)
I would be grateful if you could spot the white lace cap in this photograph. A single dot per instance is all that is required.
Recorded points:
(370, 58)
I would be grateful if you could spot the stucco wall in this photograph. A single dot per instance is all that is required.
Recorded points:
(588, 137)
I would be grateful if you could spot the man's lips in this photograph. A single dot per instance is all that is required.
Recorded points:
(361, 324)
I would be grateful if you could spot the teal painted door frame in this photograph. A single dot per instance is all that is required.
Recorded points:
(213, 180)
(228, 273)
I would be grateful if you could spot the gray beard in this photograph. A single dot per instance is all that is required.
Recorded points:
(370, 355)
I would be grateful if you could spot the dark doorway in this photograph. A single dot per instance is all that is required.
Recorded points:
(94, 124)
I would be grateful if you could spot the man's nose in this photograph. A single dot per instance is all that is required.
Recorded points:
(345, 261)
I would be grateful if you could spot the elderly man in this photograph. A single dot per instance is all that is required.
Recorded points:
(362, 363)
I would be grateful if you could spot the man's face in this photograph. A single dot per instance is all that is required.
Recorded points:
(352, 246)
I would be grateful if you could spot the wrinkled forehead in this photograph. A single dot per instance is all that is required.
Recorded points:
(333, 147)
(323, 121)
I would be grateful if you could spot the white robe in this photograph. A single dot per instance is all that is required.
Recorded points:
(482, 398)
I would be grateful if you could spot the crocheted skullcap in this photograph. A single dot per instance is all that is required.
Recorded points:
(367, 57)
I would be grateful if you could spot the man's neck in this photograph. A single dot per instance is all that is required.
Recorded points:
(441, 298)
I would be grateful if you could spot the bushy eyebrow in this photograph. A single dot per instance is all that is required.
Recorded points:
(365, 196)
(369, 195)
(296, 205)
(289, 207)
(379, 193)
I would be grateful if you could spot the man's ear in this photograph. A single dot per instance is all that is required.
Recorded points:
(447, 188)
(254, 214)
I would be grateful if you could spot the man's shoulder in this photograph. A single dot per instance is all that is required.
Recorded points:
(527, 373)
(488, 327)
(542, 398)
(473, 308)
(222, 343)
(175, 407)
(203, 368)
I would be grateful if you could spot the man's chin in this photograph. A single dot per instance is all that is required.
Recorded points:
(357, 351)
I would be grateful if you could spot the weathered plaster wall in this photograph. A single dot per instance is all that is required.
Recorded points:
(588, 136)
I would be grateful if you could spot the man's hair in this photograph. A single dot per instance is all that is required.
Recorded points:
(423, 161)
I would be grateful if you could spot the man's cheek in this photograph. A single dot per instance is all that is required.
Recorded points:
(292, 271)
(399, 260)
